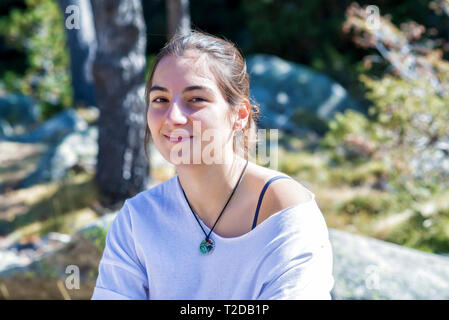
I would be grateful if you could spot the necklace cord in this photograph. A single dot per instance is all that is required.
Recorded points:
(233, 191)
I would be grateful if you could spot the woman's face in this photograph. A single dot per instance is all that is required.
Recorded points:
(187, 114)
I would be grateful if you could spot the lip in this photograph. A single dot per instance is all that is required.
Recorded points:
(179, 140)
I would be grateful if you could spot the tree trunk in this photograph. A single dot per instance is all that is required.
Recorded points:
(178, 17)
(82, 43)
(119, 74)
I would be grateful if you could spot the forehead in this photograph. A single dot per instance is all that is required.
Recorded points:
(187, 69)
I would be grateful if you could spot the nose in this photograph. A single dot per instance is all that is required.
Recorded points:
(175, 113)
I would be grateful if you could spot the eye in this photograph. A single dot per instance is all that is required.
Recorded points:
(197, 99)
(159, 98)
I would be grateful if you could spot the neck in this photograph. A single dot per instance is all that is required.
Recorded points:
(208, 186)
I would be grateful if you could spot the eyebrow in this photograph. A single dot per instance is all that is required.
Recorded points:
(191, 88)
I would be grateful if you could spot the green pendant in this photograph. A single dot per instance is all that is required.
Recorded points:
(206, 247)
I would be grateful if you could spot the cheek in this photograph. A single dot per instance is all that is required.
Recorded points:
(216, 124)
(154, 119)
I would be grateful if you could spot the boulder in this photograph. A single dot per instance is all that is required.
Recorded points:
(6, 130)
(18, 114)
(69, 271)
(77, 149)
(293, 97)
(18, 109)
(53, 129)
(368, 268)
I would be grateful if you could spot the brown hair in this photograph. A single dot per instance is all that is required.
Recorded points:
(229, 69)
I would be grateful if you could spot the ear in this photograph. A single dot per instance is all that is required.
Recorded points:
(242, 119)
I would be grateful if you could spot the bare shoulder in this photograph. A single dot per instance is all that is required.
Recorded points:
(288, 192)
(280, 194)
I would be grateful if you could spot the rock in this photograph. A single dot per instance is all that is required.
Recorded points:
(51, 275)
(5, 129)
(293, 97)
(23, 253)
(56, 237)
(18, 113)
(54, 128)
(79, 148)
(17, 161)
(367, 268)
(18, 109)
(46, 277)
(12, 259)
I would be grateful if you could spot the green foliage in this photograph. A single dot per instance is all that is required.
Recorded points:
(43, 268)
(350, 122)
(370, 204)
(398, 104)
(367, 173)
(310, 32)
(29, 274)
(300, 31)
(427, 233)
(412, 118)
(38, 31)
(407, 117)
(97, 235)
(307, 166)
(345, 125)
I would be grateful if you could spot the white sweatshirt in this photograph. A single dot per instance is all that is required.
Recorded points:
(152, 252)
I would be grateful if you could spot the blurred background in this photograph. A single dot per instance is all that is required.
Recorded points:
(358, 91)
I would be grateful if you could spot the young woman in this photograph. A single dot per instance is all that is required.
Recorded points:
(206, 233)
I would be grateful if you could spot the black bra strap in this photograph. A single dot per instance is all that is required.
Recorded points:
(261, 196)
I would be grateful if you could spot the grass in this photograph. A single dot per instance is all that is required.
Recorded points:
(17, 160)
(62, 206)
